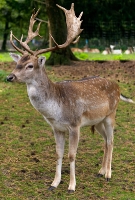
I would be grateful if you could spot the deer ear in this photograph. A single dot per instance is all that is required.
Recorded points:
(15, 57)
(41, 61)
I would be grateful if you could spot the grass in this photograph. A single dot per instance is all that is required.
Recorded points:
(27, 152)
(99, 56)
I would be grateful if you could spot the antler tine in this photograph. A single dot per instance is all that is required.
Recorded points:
(72, 8)
(80, 15)
(11, 40)
(37, 31)
(77, 39)
(36, 12)
(54, 40)
(62, 8)
(27, 48)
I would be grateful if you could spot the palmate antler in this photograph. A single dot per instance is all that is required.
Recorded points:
(73, 30)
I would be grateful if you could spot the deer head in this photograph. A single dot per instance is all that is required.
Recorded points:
(29, 61)
(27, 69)
(73, 30)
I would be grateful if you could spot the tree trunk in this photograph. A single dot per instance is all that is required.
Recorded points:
(58, 30)
(5, 35)
(6, 29)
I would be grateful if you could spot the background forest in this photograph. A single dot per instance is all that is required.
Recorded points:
(105, 22)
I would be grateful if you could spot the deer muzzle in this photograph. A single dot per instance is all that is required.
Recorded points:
(11, 78)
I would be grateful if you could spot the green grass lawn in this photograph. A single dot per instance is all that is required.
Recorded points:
(99, 56)
(27, 152)
(5, 57)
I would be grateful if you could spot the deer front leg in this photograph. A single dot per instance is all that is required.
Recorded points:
(109, 160)
(60, 142)
(73, 144)
(109, 126)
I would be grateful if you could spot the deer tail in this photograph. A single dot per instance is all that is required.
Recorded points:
(126, 99)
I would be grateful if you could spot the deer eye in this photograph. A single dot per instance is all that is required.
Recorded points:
(30, 66)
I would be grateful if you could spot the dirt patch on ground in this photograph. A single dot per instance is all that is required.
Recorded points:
(122, 71)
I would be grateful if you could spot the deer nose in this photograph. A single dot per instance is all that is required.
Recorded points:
(11, 77)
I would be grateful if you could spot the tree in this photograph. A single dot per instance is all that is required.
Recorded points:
(59, 32)
(6, 13)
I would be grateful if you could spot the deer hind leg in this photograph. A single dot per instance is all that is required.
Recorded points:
(106, 130)
(60, 142)
(73, 144)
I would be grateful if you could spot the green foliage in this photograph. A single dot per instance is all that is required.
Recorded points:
(2, 4)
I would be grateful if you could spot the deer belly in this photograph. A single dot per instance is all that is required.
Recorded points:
(89, 122)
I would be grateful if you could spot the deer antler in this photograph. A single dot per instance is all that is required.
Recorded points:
(73, 26)
(73, 30)
(11, 40)
(31, 35)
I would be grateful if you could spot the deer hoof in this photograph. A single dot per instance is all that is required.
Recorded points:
(70, 191)
(100, 175)
(51, 188)
(107, 179)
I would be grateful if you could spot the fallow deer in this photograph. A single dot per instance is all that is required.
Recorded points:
(106, 51)
(87, 49)
(115, 51)
(129, 50)
(68, 105)
(74, 49)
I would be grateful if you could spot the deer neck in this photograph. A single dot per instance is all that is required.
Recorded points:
(40, 88)
(44, 96)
